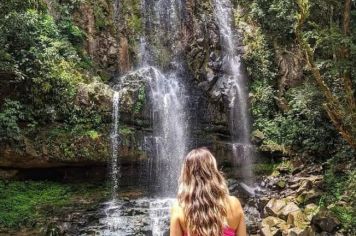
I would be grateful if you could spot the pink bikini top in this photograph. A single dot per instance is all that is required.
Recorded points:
(227, 232)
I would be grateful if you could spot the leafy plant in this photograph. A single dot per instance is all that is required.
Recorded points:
(10, 114)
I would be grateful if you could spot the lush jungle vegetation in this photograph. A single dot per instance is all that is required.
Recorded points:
(42, 61)
(314, 117)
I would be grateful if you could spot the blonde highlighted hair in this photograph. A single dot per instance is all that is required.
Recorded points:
(202, 194)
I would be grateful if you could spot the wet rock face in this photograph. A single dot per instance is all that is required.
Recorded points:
(136, 112)
(139, 217)
(95, 95)
(134, 95)
(203, 51)
(101, 45)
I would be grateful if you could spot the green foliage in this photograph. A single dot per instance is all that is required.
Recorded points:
(305, 126)
(75, 35)
(260, 169)
(324, 33)
(21, 6)
(46, 60)
(20, 201)
(340, 195)
(327, 43)
(76, 142)
(347, 217)
(131, 19)
(259, 55)
(275, 17)
(43, 55)
(93, 134)
(263, 104)
(10, 114)
(126, 131)
(131, 11)
(25, 203)
(140, 100)
(101, 15)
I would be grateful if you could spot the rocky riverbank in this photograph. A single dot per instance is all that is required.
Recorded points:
(292, 204)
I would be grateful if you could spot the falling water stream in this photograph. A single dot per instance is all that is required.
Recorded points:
(114, 136)
(237, 92)
(169, 125)
(169, 118)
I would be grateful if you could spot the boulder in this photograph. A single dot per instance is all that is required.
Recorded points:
(300, 232)
(304, 186)
(265, 231)
(281, 184)
(274, 207)
(262, 202)
(289, 208)
(132, 86)
(310, 210)
(271, 226)
(315, 180)
(308, 196)
(257, 137)
(96, 95)
(325, 221)
(298, 219)
(281, 207)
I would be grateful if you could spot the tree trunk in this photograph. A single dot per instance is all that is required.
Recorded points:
(336, 111)
(346, 56)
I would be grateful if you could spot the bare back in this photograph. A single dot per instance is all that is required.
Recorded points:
(235, 218)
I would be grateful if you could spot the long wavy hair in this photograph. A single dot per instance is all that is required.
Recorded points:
(202, 194)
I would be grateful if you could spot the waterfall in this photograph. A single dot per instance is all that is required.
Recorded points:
(114, 136)
(169, 126)
(168, 100)
(166, 145)
(237, 92)
(167, 93)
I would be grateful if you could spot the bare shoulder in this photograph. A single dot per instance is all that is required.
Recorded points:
(177, 215)
(234, 212)
(177, 210)
(235, 203)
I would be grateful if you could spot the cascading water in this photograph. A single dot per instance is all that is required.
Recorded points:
(112, 212)
(237, 92)
(114, 136)
(169, 124)
(166, 146)
(169, 119)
